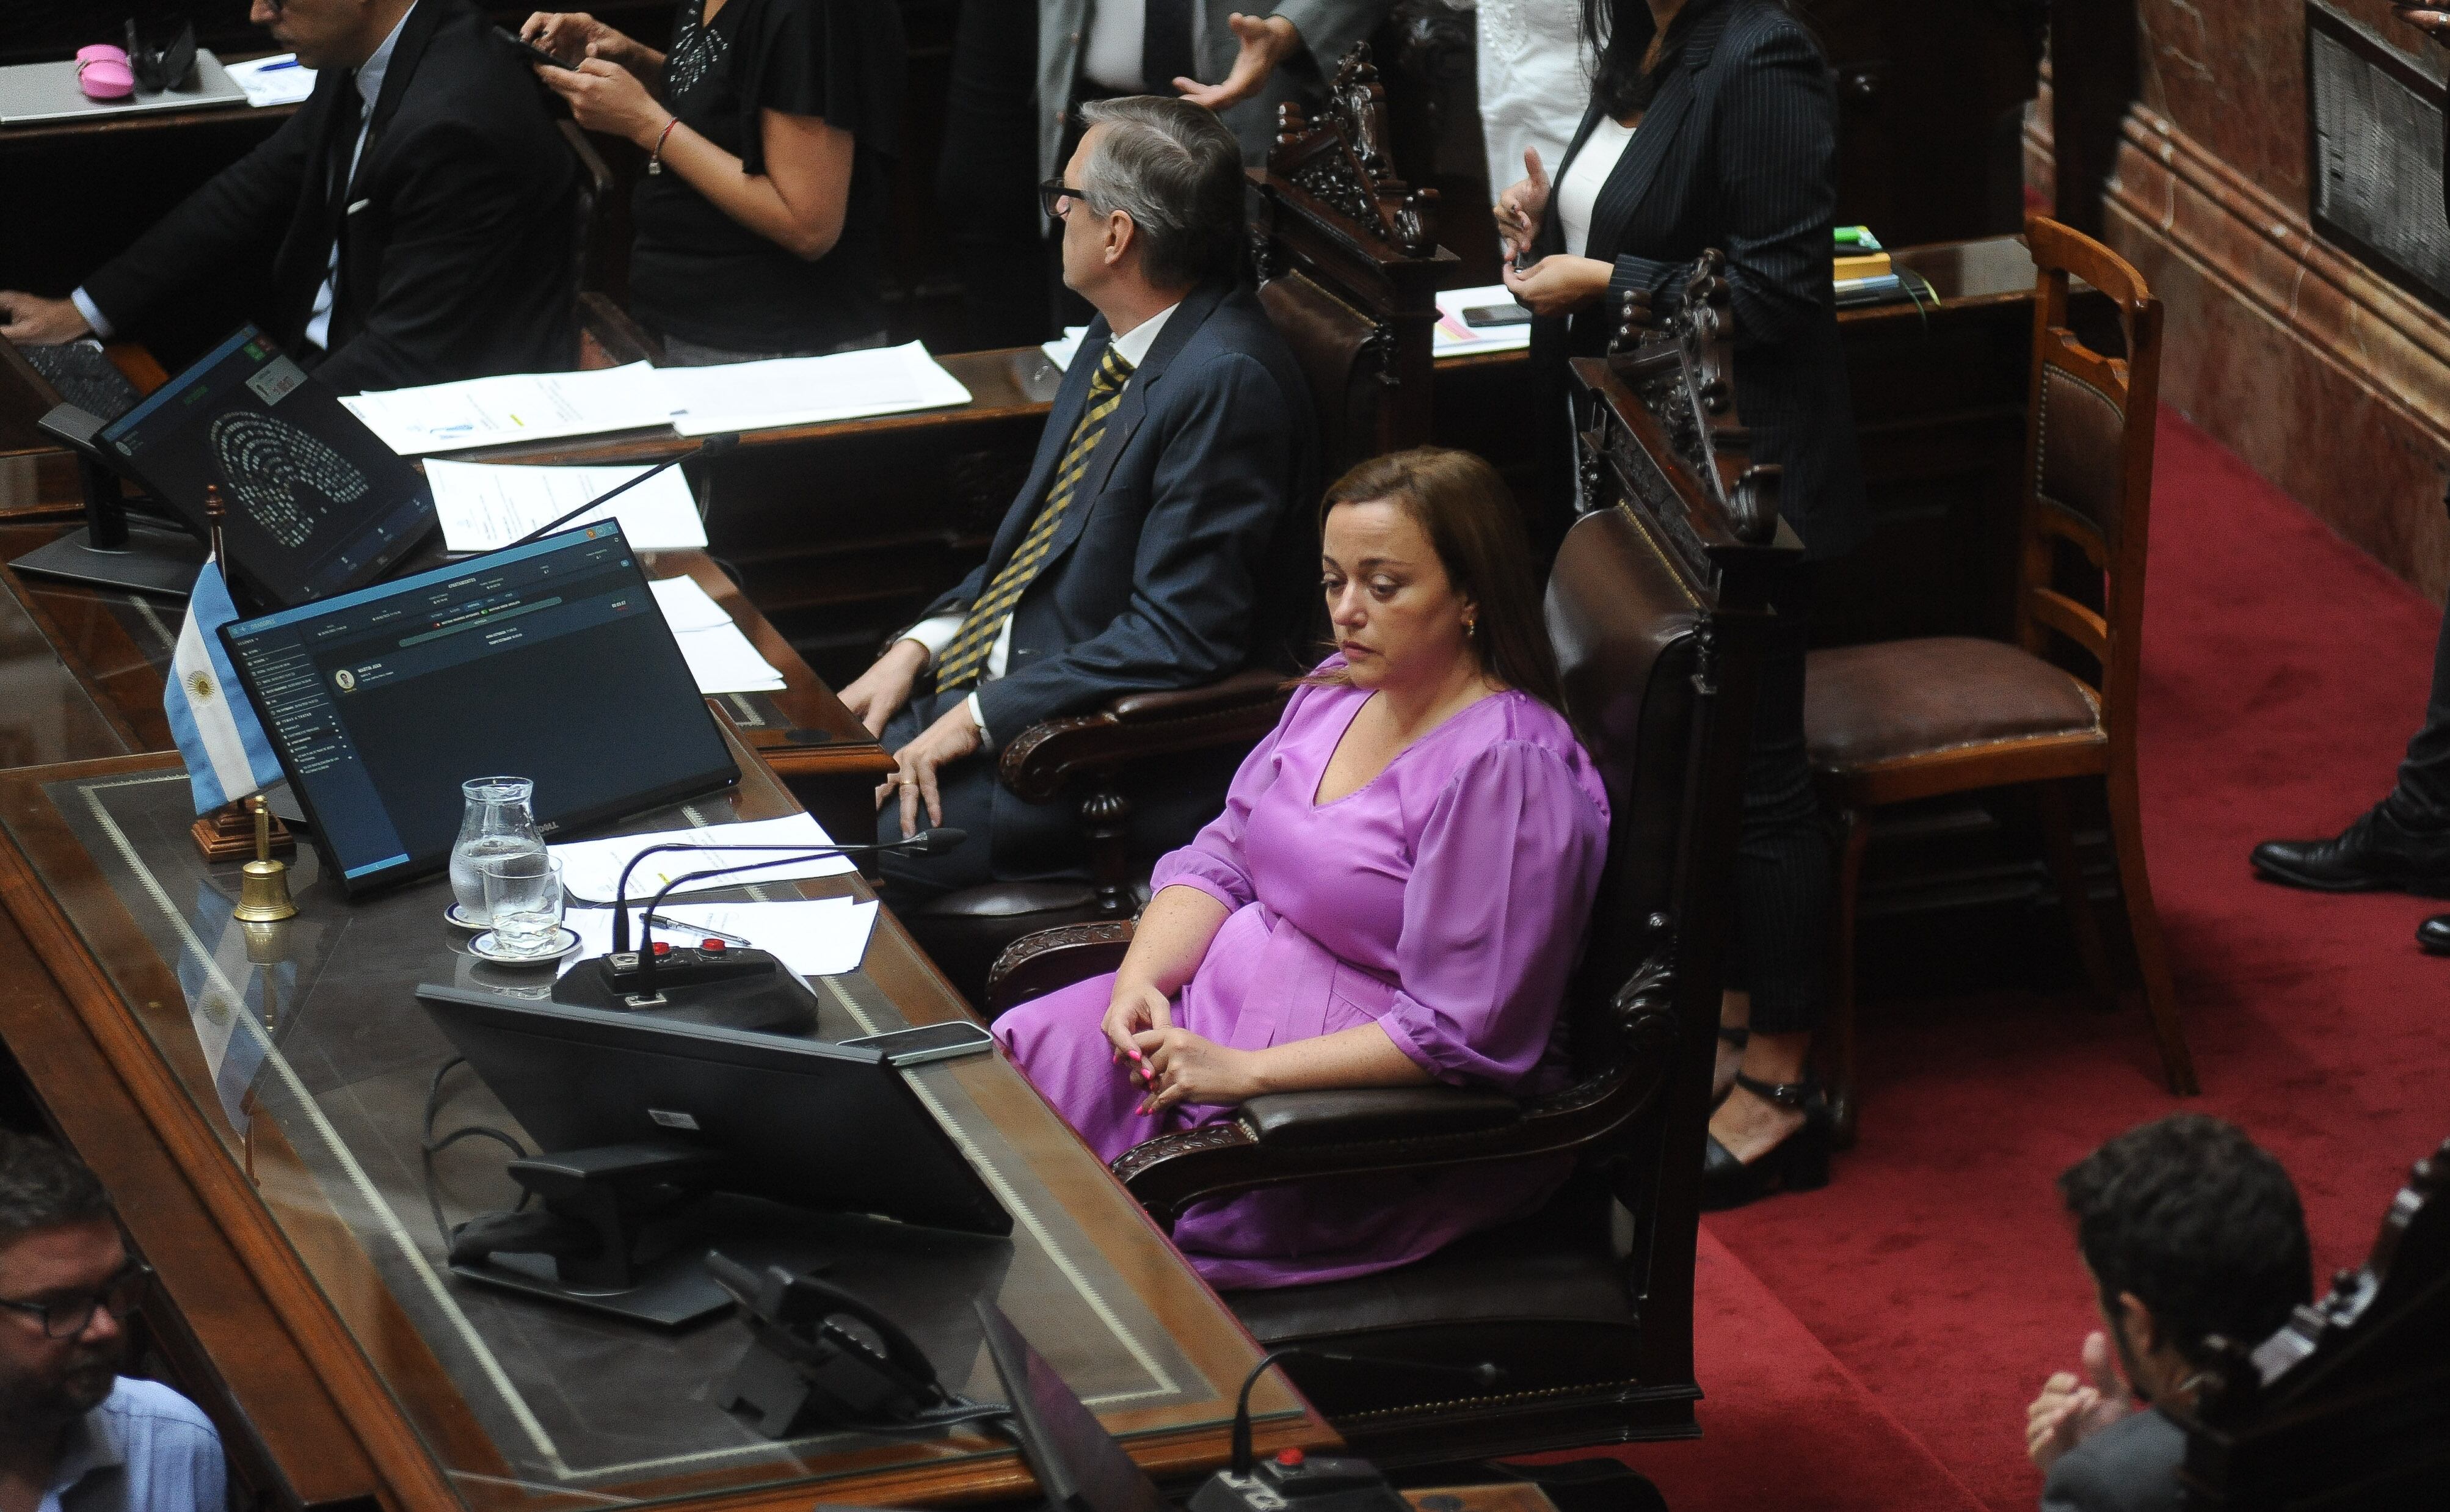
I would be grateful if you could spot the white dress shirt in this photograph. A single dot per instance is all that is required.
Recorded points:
(1580, 192)
(936, 634)
(1110, 54)
(1532, 84)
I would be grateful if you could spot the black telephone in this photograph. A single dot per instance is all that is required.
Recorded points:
(810, 1365)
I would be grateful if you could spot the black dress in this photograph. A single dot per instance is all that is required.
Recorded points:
(697, 274)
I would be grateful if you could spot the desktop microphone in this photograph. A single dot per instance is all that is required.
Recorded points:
(1313, 1483)
(714, 446)
(927, 842)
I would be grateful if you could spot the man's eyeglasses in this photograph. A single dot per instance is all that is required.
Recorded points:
(1052, 194)
(66, 1317)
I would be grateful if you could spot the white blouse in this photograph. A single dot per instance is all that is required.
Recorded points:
(1580, 192)
(1532, 82)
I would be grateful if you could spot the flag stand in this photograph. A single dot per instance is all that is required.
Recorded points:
(228, 832)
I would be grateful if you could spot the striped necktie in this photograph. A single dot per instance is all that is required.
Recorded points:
(965, 658)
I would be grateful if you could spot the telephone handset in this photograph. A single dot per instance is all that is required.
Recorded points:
(808, 1364)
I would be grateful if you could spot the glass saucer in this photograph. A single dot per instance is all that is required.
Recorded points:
(459, 917)
(484, 946)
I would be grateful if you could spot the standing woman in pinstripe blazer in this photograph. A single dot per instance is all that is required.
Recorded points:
(1712, 125)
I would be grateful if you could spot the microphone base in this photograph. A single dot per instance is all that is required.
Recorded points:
(770, 1003)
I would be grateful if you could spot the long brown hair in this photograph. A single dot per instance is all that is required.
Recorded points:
(1470, 518)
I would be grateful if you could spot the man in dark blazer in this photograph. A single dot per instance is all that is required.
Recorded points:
(1152, 531)
(417, 210)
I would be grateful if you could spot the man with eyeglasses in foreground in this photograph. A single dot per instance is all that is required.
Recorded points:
(75, 1435)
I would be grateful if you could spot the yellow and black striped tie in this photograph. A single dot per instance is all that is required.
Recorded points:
(966, 656)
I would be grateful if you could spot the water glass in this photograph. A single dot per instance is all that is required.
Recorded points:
(523, 898)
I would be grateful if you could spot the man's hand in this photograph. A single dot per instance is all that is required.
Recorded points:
(1132, 1012)
(1523, 206)
(884, 688)
(604, 96)
(2068, 1413)
(30, 320)
(953, 736)
(2433, 24)
(1559, 284)
(1266, 41)
(1180, 1067)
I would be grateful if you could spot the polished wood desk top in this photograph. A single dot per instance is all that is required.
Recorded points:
(267, 1160)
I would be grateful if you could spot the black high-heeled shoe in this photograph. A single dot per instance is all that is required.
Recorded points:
(1799, 1162)
(1738, 1035)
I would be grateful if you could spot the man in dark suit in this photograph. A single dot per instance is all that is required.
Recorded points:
(2186, 1230)
(1146, 540)
(417, 210)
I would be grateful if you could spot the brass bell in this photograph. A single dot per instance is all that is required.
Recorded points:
(264, 882)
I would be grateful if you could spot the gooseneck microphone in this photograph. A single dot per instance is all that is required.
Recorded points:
(714, 446)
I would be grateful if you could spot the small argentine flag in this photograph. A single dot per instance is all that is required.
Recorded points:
(227, 753)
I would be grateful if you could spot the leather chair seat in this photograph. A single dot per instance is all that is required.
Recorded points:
(1545, 1295)
(1869, 706)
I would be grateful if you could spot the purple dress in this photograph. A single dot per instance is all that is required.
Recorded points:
(1444, 900)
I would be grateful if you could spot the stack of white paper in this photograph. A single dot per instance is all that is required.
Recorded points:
(720, 657)
(1064, 348)
(484, 507)
(515, 407)
(813, 937)
(805, 389)
(281, 80)
(1451, 337)
(591, 869)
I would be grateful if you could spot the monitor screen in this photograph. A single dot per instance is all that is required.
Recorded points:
(826, 1126)
(547, 661)
(315, 503)
(1076, 1462)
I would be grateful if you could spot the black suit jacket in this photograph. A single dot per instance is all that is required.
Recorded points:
(458, 262)
(1169, 568)
(1737, 151)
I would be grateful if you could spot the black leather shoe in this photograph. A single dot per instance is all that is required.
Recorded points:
(2434, 935)
(1799, 1162)
(2372, 855)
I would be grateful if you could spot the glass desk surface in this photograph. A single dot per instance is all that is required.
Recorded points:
(302, 1049)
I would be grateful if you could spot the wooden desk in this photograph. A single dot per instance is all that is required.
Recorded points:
(302, 1294)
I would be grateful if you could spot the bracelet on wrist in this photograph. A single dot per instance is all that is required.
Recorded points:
(656, 158)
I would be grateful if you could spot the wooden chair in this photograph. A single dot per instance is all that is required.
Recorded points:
(1896, 721)
(1348, 267)
(2349, 1405)
(1657, 606)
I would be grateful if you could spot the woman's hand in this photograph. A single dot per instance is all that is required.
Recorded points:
(2433, 22)
(603, 96)
(1178, 1066)
(1559, 284)
(1136, 1010)
(567, 34)
(1523, 206)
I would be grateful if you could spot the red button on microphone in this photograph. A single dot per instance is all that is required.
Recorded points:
(1289, 1458)
(663, 947)
(711, 946)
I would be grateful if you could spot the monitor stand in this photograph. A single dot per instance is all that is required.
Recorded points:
(112, 552)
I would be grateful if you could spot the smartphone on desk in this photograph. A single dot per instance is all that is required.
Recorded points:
(1481, 316)
(911, 1047)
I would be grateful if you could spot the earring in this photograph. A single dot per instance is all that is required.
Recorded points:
(1472, 626)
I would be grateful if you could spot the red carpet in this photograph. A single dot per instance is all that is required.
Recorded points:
(1933, 1284)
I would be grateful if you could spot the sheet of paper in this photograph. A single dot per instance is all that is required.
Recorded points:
(723, 661)
(813, 937)
(512, 407)
(484, 507)
(1061, 350)
(592, 868)
(686, 606)
(281, 80)
(1451, 337)
(805, 389)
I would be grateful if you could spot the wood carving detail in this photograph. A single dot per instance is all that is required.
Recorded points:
(1342, 160)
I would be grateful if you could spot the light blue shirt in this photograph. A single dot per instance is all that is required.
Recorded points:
(145, 1449)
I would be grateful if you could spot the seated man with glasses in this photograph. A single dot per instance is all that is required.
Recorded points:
(74, 1433)
(1153, 546)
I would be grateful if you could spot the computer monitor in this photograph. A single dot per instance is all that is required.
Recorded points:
(820, 1125)
(316, 503)
(1076, 1462)
(547, 661)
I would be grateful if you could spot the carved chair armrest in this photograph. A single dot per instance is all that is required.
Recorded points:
(617, 340)
(1039, 962)
(1041, 759)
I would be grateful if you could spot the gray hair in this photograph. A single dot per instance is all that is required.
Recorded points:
(1174, 169)
(42, 1185)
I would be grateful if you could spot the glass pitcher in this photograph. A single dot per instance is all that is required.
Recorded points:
(498, 820)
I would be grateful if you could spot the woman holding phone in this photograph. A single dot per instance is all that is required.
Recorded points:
(770, 127)
(1711, 125)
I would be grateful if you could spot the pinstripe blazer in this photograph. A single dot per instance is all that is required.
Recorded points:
(1739, 152)
(1163, 570)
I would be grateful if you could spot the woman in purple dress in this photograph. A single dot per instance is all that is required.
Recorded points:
(1393, 896)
